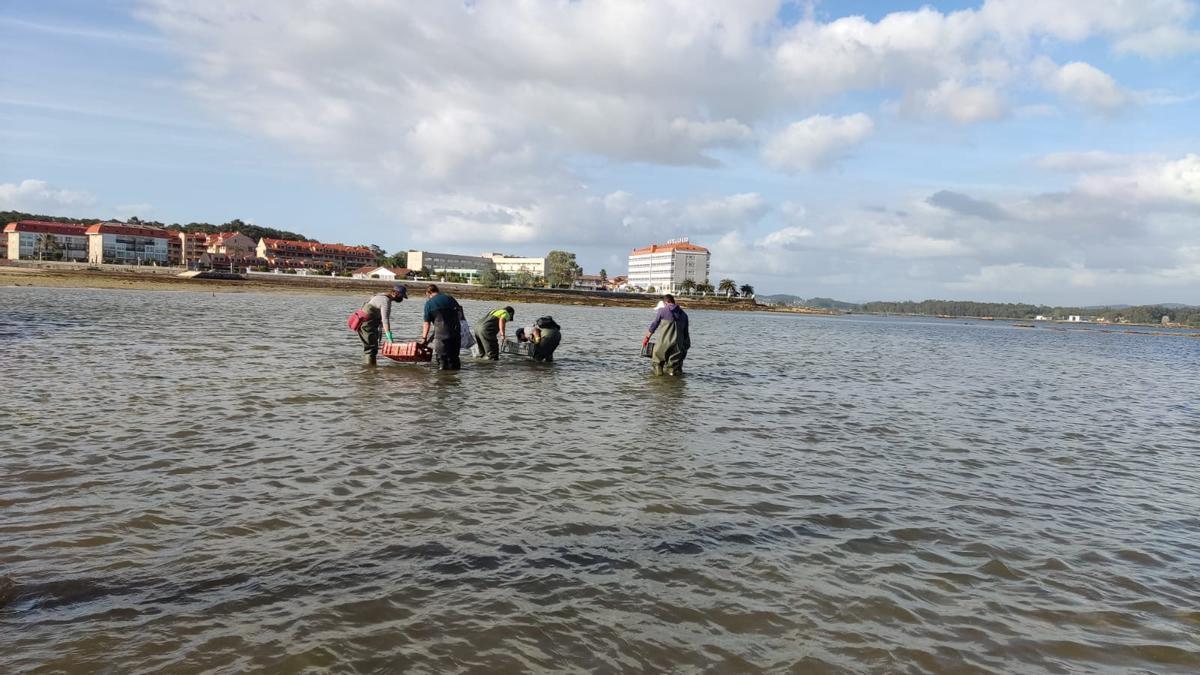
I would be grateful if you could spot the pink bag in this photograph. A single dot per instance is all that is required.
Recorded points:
(356, 320)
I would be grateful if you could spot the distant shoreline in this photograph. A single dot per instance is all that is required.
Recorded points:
(167, 279)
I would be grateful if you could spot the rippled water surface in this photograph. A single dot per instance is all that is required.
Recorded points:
(198, 482)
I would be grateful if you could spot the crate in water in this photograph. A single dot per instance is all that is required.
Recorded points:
(407, 352)
(517, 348)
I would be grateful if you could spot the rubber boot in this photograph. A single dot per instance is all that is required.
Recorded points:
(368, 359)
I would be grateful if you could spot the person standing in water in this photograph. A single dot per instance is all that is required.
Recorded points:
(489, 332)
(379, 316)
(670, 325)
(442, 326)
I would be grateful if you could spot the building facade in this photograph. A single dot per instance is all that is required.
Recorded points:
(123, 244)
(511, 264)
(589, 282)
(42, 240)
(290, 254)
(449, 263)
(378, 272)
(664, 267)
(232, 244)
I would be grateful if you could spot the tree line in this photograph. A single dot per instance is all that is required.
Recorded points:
(1189, 316)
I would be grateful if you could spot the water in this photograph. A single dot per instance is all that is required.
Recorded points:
(196, 482)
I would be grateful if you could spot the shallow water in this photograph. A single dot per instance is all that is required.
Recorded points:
(197, 482)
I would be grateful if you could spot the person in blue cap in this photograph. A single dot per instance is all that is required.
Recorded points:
(379, 316)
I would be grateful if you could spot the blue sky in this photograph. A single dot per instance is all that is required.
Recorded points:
(1001, 150)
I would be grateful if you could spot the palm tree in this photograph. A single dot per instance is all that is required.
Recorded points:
(704, 288)
(728, 287)
(687, 286)
(747, 290)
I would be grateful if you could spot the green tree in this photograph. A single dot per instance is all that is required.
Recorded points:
(523, 279)
(687, 286)
(651, 289)
(47, 247)
(747, 290)
(603, 276)
(561, 269)
(489, 278)
(704, 288)
(728, 287)
(397, 259)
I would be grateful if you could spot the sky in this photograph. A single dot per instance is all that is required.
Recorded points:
(1042, 151)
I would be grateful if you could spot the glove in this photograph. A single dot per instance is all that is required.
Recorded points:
(645, 340)
(389, 336)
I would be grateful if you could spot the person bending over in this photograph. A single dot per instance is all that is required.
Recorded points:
(545, 336)
(489, 332)
(379, 317)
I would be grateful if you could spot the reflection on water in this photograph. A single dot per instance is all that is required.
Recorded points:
(197, 482)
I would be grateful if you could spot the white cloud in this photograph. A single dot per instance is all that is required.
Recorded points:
(38, 196)
(1175, 182)
(1160, 42)
(816, 142)
(1086, 85)
(1091, 160)
(964, 104)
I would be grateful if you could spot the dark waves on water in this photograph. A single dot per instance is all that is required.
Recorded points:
(193, 483)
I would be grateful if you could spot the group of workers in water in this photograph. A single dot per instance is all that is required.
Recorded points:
(445, 327)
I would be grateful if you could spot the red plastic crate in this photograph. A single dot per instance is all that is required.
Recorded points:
(407, 352)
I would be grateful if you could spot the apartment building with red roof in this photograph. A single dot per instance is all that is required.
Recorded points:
(124, 244)
(44, 240)
(291, 254)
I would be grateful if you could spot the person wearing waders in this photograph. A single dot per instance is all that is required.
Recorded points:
(442, 326)
(489, 332)
(379, 316)
(670, 330)
(544, 335)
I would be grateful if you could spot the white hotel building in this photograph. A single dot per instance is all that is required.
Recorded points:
(511, 264)
(665, 266)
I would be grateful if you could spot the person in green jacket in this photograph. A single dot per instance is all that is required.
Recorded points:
(490, 331)
(674, 339)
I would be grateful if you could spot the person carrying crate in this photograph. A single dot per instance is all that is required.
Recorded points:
(377, 314)
(442, 325)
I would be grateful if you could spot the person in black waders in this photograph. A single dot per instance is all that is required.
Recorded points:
(489, 332)
(545, 335)
(670, 325)
(443, 326)
(379, 315)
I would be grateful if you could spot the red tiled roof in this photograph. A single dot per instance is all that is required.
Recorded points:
(46, 227)
(316, 247)
(660, 248)
(132, 230)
